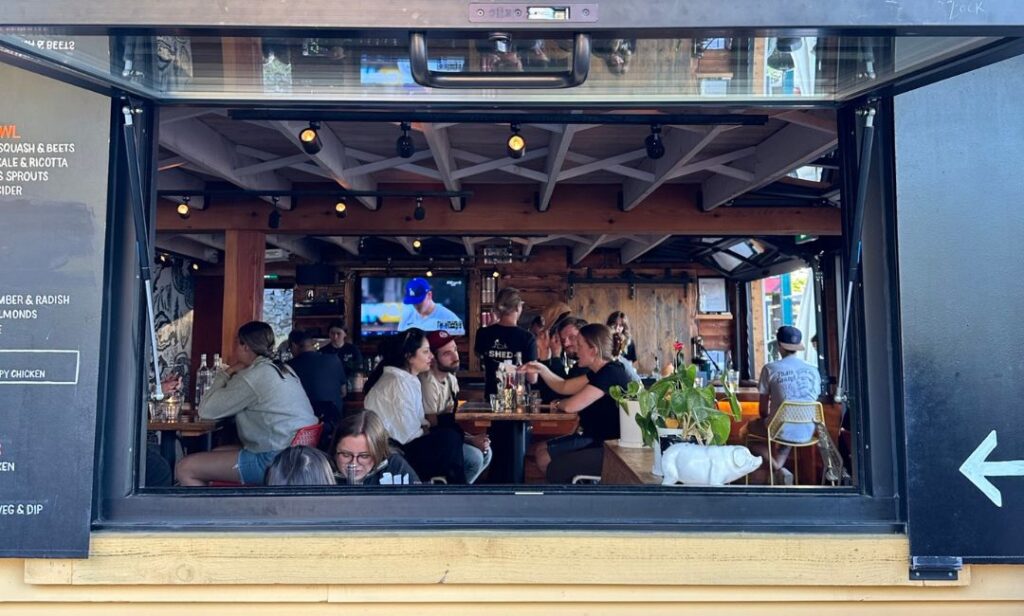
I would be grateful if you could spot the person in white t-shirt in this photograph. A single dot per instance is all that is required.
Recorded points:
(421, 311)
(787, 379)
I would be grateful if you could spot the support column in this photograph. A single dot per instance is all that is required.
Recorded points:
(243, 284)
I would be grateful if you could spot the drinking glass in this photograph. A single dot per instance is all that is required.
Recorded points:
(698, 381)
(496, 401)
(534, 401)
(351, 470)
(734, 379)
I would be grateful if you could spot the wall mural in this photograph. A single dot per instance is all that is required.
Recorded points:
(173, 297)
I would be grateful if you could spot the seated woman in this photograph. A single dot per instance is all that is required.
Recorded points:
(268, 404)
(581, 453)
(393, 391)
(361, 446)
(300, 466)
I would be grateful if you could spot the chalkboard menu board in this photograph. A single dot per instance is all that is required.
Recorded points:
(54, 147)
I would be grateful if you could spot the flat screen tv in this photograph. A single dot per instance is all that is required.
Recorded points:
(392, 304)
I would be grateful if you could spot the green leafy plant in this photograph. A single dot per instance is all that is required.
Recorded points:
(675, 402)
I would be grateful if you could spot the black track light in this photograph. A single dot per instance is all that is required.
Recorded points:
(430, 268)
(419, 213)
(274, 220)
(655, 146)
(516, 144)
(184, 209)
(341, 208)
(404, 145)
(309, 138)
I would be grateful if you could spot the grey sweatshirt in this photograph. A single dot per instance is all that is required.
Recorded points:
(268, 410)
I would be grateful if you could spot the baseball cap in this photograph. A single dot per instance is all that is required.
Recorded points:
(438, 339)
(416, 291)
(790, 338)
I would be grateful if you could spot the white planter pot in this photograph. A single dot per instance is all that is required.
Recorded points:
(629, 432)
(662, 433)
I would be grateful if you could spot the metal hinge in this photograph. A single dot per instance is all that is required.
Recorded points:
(945, 568)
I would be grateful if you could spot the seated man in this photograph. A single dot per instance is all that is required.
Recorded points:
(790, 378)
(440, 391)
(322, 377)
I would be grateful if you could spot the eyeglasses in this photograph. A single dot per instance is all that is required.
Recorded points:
(362, 458)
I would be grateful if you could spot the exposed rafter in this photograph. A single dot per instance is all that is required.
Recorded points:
(506, 164)
(630, 172)
(558, 147)
(297, 246)
(348, 243)
(441, 148)
(784, 151)
(604, 163)
(207, 239)
(581, 251)
(176, 179)
(680, 148)
(633, 250)
(187, 248)
(332, 158)
(714, 162)
(205, 149)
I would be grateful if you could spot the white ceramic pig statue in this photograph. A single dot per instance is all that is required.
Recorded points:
(699, 465)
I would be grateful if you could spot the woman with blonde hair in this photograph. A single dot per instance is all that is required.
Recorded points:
(361, 449)
(269, 406)
(581, 453)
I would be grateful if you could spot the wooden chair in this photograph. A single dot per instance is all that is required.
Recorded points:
(791, 412)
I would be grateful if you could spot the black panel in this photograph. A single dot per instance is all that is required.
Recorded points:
(959, 144)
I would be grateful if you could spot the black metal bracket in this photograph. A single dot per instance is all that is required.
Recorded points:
(934, 568)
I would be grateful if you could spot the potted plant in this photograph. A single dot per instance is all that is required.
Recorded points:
(675, 410)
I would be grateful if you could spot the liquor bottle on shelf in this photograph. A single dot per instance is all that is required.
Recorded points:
(218, 365)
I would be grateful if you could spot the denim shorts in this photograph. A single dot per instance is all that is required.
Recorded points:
(252, 467)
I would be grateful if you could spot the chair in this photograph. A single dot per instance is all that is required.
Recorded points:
(308, 436)
(791, 412)
(586, 480)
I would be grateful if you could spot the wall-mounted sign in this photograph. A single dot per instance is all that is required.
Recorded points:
(54, 146)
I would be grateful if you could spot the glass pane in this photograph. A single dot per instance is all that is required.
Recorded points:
(347, 69)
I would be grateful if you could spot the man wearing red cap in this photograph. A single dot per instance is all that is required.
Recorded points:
(440, 392)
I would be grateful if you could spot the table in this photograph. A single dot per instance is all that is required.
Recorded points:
(628, 466)
(508, 434)
(171, 430)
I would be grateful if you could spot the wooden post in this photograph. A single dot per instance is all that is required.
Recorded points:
(757, 325)
(243, 284)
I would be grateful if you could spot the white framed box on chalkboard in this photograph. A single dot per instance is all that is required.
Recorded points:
(711, 296)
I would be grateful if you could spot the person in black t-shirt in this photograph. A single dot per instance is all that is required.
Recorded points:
(496, 343)
(580, 453)
(347, 352)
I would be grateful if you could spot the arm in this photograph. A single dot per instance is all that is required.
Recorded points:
(556, 383)
(580, 400)
(229, 395)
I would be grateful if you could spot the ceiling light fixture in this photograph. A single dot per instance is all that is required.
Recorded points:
(516, 144)
(419, 213)
(184, 209)
(274, 220)
(655, 146)
(404, 145)
(341, 208)
(417, 244)
(309, 138)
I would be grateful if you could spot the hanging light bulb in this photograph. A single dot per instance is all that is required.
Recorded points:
(184, 209)
(516, 144)
(655, 146)
(341, 208)
(419, 213)
(404, 145)
(417, 244)
(309, 139)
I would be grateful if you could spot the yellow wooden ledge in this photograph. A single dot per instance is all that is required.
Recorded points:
(554, 558)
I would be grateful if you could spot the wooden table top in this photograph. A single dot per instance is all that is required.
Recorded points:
(627, 465)
(200, 426)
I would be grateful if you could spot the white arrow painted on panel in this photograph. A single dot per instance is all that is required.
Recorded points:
(977, 469)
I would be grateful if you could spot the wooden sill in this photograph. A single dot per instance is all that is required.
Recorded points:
(725, 316)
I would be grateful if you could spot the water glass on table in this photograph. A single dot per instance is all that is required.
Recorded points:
(535, 401)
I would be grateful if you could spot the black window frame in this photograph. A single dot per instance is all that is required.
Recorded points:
(875, 505)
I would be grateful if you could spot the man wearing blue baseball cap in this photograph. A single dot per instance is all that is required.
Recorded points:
(421, 311)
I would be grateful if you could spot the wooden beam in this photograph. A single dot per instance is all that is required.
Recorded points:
(604, 163)
(295, 245)
(558, 148)
(680, 148)
(501, 164)
(776, 156)
(208, 150)
(332, 157)
(508, 209)
(630, 172)
(348, 243)
(634, 250)
(580, 251)
(187, 248)
(243, 284)
(441, 148)
(177, 179)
